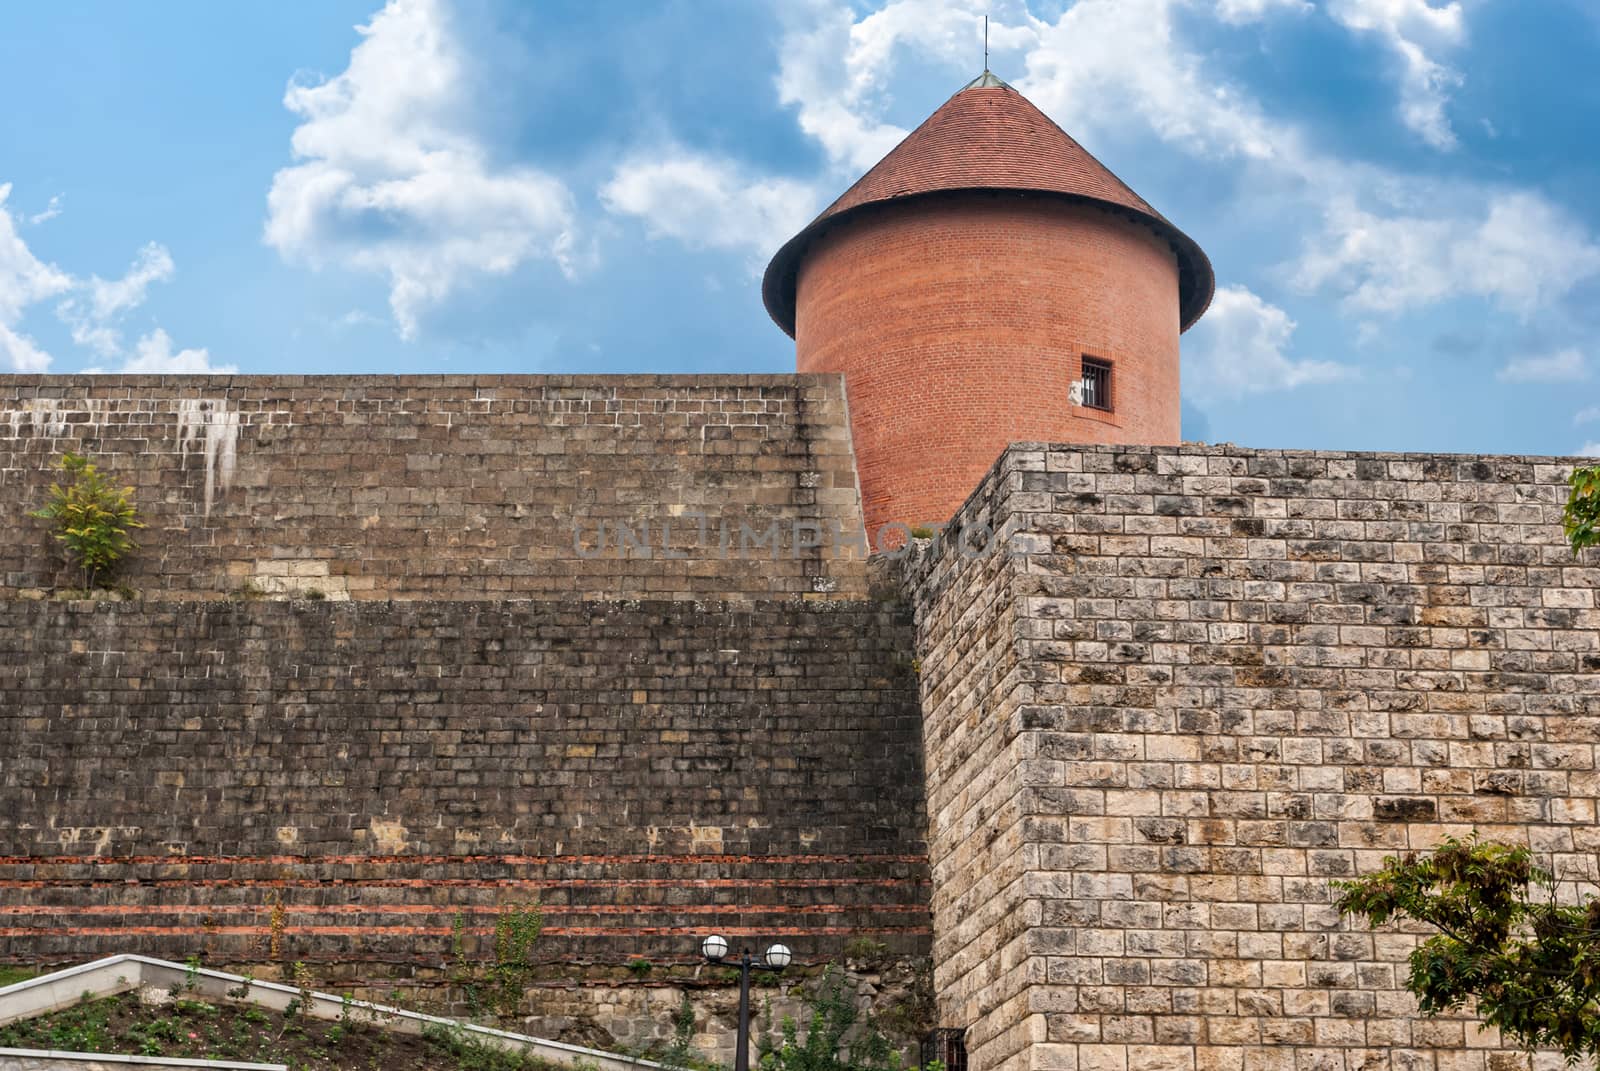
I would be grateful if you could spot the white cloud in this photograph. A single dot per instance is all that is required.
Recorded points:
(835, 69)
(1522, 253)
(93, 315)
(51, 211)
(1587, 416)
(1562, 366)
(393, 179)
(703, 201)
(153, 264)
(815, 76)
(153, 354)
(25, 280)
(1106, 61)
(1098, 64)
(1239, 348)
(91, 308)
(1243, 11)
(1390, 241)
(1410, 29)
(1589, 449)
(1111, 71)
(21, 352)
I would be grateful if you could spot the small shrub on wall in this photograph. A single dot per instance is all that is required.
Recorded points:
(1582, 517)
(1505, 947)
(90, 518)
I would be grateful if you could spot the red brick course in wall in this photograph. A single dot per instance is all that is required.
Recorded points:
(959, 323)
(346, 780)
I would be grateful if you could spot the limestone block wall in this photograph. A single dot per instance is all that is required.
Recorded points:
(265, 782)
(402, 487)
(971, 673)
(1224, 678)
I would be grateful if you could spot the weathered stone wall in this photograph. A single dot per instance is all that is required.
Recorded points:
(1193, 686)
(275, 781)
(969, 669)
(427, 487)
(1216, 680)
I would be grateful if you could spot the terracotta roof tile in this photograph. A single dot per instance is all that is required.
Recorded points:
(989, 137)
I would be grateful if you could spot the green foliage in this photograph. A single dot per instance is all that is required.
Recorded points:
(681, 1052)
(515, 932)
(13, 975)
(1581, 519)
(640, 967)
(463, 972)
(833, 1040)
(1531, 964)
(865, 948)
(916, 1013)
(90, 518)
(192, 1029)
(470, 1053)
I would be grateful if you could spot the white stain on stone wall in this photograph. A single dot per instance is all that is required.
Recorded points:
(209, 426)
(46, 417)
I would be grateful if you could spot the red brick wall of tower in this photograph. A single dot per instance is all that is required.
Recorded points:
(959, 323)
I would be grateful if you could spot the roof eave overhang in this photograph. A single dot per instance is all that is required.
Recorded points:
(1196, 280)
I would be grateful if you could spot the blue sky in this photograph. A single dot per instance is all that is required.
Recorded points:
(1398, 195)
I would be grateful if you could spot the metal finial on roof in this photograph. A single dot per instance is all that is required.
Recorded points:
(987, 78)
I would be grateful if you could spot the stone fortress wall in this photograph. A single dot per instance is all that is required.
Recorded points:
(272, 780)
(1121, 757)
(449, 487)
(653, 742)
(1203, 683)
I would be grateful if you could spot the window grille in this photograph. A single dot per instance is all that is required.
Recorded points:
(948, 1046)
(1097, 384)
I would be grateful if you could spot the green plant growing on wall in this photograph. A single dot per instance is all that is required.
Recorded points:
(865, 948)
(90, 518)
(1581, 519)
(515, 933)
(1531, 964)
(681, 1052)
(829, 1042)
(462, 970)
(915, 1013)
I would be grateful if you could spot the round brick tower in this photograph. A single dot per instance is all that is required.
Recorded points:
(988, 282)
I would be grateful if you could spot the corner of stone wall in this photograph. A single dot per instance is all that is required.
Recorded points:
(1201, 683)
(963, 587)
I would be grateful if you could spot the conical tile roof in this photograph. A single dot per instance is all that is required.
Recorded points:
(990, 137)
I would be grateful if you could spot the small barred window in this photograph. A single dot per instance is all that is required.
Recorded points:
(1097, 384)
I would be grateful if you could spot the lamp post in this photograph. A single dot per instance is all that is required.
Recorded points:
(775, 959)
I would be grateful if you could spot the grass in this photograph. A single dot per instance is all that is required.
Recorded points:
(200, 1029)
(13, 975)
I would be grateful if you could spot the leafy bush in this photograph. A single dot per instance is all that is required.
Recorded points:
(681, 1052)
(1581, 518)
(90, 518)
(830, 1042)
(515, 932)
(1532, 964)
